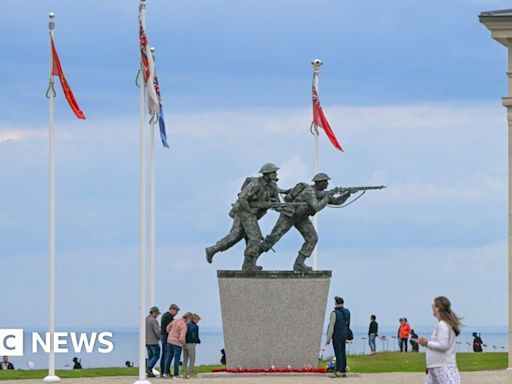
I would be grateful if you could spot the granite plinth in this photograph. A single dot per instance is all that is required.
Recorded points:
(272, 317)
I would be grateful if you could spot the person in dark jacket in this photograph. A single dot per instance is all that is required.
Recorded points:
(338, 331)
(6, 364)
(477, 342)
(167, 317)
(415, 346)
(77, 364)
(373, 331)
(189, 349)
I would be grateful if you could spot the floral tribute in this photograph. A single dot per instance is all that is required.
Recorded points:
(307, 368)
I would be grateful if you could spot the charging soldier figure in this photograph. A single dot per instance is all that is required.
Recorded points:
(310, 199)
(253, 202)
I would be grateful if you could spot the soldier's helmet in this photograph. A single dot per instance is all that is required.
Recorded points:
(268, 168)
(321, 177)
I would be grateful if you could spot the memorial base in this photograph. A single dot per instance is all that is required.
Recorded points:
(273, 318)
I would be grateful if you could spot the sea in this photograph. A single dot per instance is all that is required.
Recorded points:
(125, 349)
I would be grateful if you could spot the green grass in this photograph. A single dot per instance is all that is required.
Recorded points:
(415, 362)
(69, 373)
(88, 372)
(381, 362)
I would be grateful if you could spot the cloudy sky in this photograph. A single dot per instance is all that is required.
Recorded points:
(412, 90)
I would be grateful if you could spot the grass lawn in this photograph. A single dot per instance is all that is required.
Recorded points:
(415, 362)
(381, 362)
(88, 372)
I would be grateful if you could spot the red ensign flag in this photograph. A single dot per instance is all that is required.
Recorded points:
(57, 71)
(320, 120)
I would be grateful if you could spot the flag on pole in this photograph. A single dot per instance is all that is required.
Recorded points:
(151, 83)
(57, 71)
(161, 122)
(320, 120)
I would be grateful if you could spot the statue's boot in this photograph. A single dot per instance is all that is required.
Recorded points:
(262, 248)
(211, 251)
(299, 265)
(250, 264)
(254, 259)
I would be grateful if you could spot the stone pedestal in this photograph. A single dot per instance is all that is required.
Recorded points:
(272, 317)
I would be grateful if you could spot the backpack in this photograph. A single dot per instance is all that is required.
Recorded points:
(295, 191)
(247, 181)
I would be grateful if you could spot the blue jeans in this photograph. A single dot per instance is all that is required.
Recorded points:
(371, 342)
(174, 353)
(403, 345)
(341, 356)
(164, 368)
(153, 355)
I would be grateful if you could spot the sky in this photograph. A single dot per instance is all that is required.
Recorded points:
(412, 90)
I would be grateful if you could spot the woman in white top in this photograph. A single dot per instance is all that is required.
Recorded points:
(440, 353)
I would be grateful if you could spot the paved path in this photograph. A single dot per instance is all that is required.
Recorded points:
(482, 377)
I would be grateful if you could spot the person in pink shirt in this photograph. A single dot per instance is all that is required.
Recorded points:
(177, 331)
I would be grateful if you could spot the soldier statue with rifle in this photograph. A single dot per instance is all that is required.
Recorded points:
(307, 200)
(258, 194)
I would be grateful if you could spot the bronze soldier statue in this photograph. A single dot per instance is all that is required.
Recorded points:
(309, 200)
(258, 194)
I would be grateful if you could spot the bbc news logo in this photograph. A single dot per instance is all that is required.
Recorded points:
(11, 342)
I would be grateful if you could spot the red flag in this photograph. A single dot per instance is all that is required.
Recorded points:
(57, 71)
(320, 120)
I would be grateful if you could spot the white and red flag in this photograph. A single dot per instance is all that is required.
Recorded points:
(148, 71)
(320, 120)
(57, 71)
(151, 82)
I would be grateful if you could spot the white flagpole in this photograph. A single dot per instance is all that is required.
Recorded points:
(142, 261)
(317, 63)
(152, 261)
(51, 378)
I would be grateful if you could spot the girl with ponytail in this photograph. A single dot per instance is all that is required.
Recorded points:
(440, 353)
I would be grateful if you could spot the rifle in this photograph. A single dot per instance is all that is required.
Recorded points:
(287, 209)
(357, 189)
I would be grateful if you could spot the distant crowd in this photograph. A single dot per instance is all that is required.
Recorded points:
(175, 335)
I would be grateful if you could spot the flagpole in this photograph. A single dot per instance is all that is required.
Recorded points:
(317, 63)
(51, 378)
(142, 226)
(152, 260)
(152, 264)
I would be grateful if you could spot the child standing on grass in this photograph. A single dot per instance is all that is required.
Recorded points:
(189, 350)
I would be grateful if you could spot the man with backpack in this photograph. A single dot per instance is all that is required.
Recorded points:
(339, 332)
(310, 199)
(254, 200)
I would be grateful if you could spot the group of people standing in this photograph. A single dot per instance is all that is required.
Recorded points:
(440, 348)
(404, 332)
(176, 335)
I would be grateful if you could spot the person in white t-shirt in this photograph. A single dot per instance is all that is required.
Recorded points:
(440, 353)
